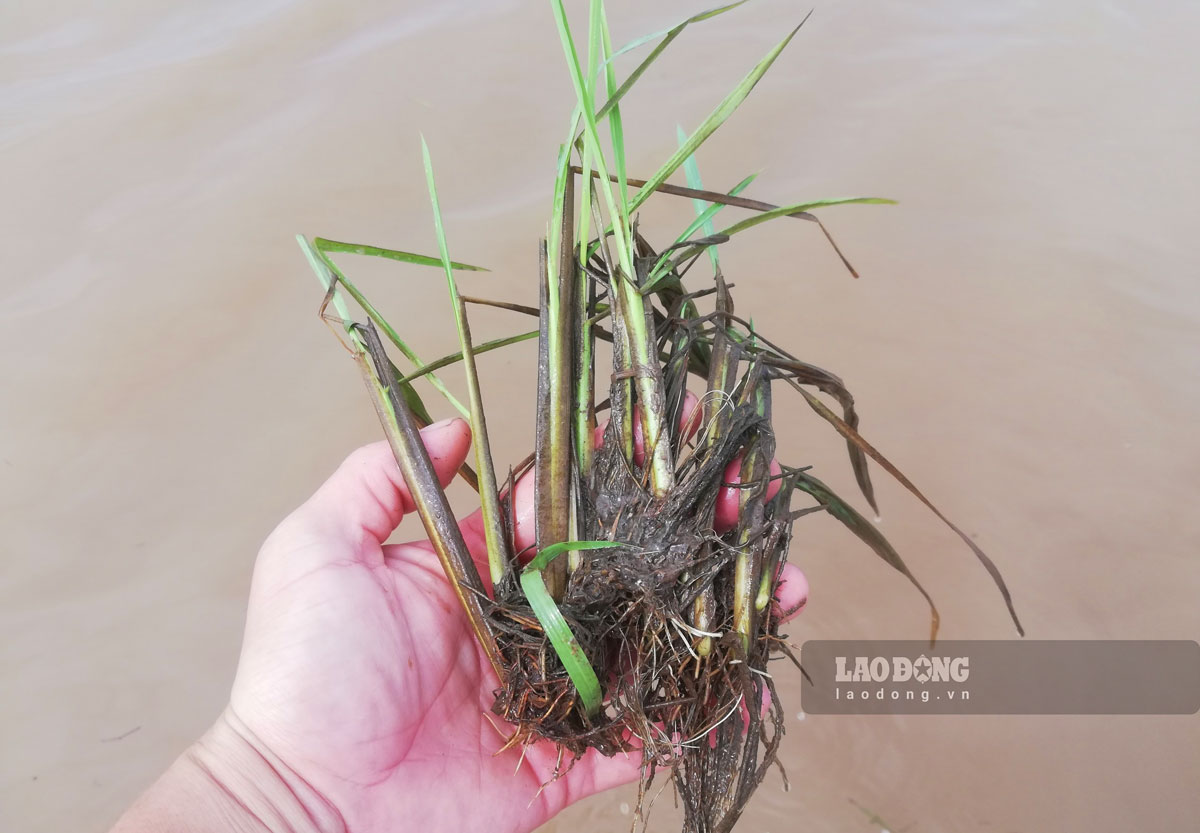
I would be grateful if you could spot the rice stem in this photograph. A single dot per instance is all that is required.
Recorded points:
(489, 494)
(430, 500)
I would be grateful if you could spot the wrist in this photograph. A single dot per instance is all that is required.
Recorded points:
(228, 781)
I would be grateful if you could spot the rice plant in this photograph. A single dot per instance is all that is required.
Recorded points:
(637, 624)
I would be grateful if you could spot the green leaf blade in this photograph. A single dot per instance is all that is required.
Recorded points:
(691, 171)
(715, 119)
(555, 626)
(668, 35)
(328, 246)
(489, 494)
(798, 208)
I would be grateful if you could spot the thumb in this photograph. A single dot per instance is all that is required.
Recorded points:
(367, 494)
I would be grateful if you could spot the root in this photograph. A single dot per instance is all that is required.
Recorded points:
(631, 608)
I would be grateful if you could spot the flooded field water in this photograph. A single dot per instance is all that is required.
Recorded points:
(1024, 343)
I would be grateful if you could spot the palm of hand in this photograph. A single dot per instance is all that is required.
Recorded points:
(361, 674)
(361, 683)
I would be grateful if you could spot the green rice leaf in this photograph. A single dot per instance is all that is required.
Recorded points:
(591, 134)
(691, 170)
(454, 358)
(489, 494)
(412, 399)
(715, 119)
(678, 27)
(380, 322)
(758, 219)
(615, 125)
(548, 554)
(787, 210)
(326, 276)
(325, 245)
(703, 220)
(631, 306)
(569, 652)
(668, 35)
(704, 217)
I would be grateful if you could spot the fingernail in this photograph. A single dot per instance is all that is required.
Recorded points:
(440, 425)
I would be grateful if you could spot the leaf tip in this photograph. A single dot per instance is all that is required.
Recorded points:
(804, 20)
(425, 152)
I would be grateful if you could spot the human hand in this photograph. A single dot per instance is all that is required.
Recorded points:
(362, 697)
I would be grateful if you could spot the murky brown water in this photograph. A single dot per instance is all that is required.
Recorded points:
(1024, 341)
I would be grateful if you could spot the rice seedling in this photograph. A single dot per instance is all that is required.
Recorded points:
(637, 624)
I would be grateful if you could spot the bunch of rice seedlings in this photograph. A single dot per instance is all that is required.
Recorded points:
(637, 624)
